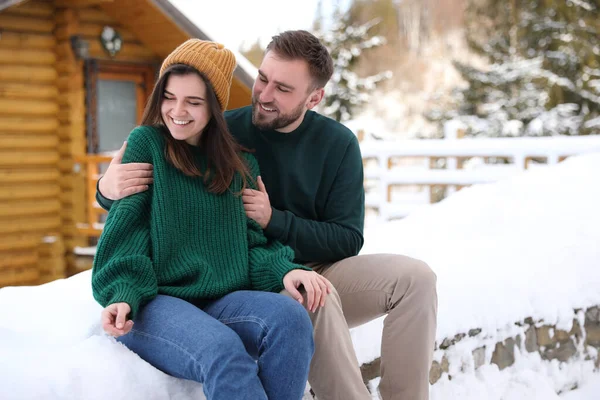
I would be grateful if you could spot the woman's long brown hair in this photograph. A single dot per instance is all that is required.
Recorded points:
(219, 146)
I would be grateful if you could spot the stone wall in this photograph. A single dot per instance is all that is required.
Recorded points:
(582, 340)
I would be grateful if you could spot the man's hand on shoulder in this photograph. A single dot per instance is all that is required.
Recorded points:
(122, 180)
(257, 204)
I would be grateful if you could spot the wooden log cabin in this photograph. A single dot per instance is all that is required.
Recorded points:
(66, 96)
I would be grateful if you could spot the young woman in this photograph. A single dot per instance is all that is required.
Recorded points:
(186, 279)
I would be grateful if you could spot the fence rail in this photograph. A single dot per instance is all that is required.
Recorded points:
(518, 151)
(91, 163)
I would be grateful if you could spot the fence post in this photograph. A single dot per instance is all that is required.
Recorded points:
(453, 129)
(360, 135)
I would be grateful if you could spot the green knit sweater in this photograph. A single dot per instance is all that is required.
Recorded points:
(314, 176)
(180, 240)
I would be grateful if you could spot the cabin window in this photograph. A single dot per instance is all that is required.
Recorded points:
(116, 112)
(116, 95)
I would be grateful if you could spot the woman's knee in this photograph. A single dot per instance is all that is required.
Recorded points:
(226, 342)
(291, 319)
(225, 350)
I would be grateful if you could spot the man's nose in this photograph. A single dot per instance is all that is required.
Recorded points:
(266, 96)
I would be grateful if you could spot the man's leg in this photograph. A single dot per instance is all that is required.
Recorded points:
(334, 371)
(370, 286)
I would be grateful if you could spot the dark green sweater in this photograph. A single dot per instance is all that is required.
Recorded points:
(180, 240)
(314, 177)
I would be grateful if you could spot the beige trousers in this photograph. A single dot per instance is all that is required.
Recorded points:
(367, 287)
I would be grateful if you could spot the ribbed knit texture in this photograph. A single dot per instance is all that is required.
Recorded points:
(212, 59)
(180, 240)
(314, 176)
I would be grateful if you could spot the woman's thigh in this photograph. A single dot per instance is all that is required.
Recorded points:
(179, 338)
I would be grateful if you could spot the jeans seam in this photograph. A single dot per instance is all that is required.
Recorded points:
(173, 344)
(258, 321)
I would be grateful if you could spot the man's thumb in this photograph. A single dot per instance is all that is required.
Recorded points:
(119, 156)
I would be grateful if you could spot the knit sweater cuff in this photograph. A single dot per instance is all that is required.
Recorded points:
(102, 201)
(127, 294)
(269, 277)
(128, 280)
(276, 227)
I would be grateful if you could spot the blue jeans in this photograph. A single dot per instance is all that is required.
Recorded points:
(246, 345)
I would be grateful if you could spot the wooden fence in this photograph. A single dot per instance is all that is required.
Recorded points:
(90, 165)
(387, 175)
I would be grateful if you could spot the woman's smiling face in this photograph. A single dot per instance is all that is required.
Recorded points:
(184, 109)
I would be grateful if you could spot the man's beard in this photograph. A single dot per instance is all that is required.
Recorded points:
(281, 121)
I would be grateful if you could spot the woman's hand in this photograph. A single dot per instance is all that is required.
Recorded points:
(114, 319)
(317, 287)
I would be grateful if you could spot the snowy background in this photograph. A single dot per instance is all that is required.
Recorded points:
(525, 246)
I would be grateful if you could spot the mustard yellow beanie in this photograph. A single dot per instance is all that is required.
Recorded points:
(212, 59)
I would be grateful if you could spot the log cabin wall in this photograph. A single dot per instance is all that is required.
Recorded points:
(43, 131)
(31, 241)
(43, 121)
(85, 20)
(71, 131)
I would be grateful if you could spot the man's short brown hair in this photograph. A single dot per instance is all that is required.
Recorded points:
(303, 45)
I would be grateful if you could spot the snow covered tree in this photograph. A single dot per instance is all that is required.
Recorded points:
(346, 91)
(544, 72)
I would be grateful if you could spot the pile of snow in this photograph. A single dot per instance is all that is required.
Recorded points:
(530, 378)
(527, 246)
(523, 247)
(52, 347)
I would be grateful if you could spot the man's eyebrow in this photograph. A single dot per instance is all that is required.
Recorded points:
(277, 82)
(187, 97)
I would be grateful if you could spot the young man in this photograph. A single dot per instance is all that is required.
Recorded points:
(311, 198)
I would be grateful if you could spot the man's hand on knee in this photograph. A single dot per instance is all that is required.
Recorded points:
(122, 180)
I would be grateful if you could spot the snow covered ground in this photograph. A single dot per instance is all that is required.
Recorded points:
(526, 246)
